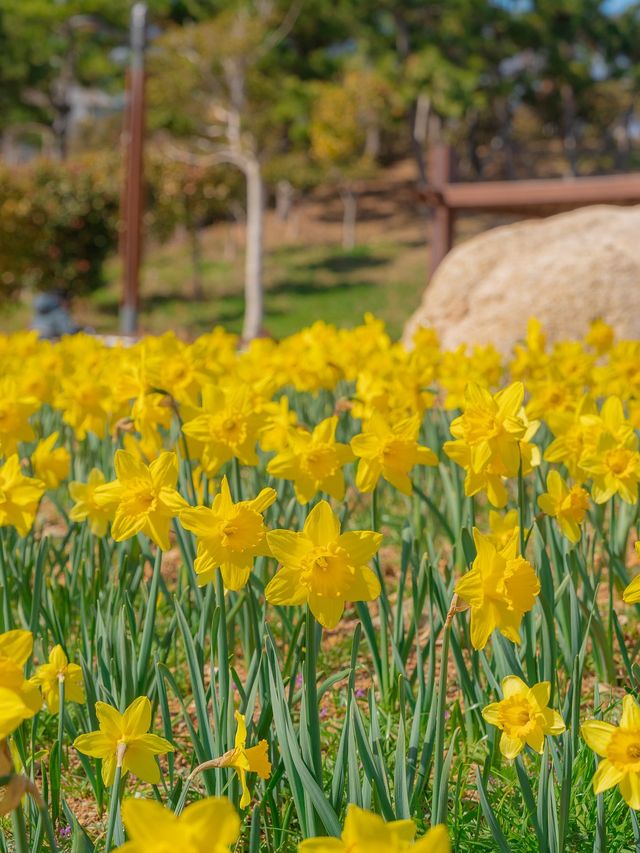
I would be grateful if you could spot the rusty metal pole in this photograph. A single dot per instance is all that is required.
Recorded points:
(441, 172)
(131, 242)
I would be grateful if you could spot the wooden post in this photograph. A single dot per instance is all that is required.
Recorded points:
(440, 173)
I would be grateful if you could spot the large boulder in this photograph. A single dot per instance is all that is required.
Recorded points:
(565, 270)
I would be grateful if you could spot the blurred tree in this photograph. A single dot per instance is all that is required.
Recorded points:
(47, 49)
(59, 224)
(344, 132)
(215, 84)
(188, 196)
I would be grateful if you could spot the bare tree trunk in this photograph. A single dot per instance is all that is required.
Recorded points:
(197, 289)
(569, 133)
(350, 207)
(284, 200)
(193, 232)
(420, 119)
(372, 142)
(254, 303)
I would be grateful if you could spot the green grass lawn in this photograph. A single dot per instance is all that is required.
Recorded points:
(303, 284)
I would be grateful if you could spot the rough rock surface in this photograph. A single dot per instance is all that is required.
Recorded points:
(565, 270)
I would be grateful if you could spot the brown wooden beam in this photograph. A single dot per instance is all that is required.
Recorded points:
(570, 192)
(531, 198)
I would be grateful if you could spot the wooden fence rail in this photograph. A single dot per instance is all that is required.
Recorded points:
(530, 198)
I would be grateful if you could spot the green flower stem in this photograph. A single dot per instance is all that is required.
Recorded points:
(56, 805)
(610, 573)
(384, 631)
(19, 830)
(44, 815)
(527, 621)
(438, 761)
(114, 803)
(237, 479)
(310, 678)
(521, 510)
(226, 718)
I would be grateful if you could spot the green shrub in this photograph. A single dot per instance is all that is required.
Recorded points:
(58, 224)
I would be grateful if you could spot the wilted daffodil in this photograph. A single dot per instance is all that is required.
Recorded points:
(314, 462)
(568, 505)
(619, 748)
(523, 716)
(389, 452)
(86, 505)
(51, 464)
(365, 831)
(632, 592)
(144, 497)
(208, 826)
(323, 567)
(255, 759)
(49, 677)
(230, 535)
(19, 699)
(124, 740)
(19, 496)
(500, 588)
(16, 786)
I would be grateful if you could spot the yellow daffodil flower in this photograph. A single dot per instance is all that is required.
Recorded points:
(19, 496)
(323, 567)
(314, 462)
(124, 740)
(614, 462)
(278, 422)
(208, 826)
(51, 464)
(255, 759)
(568, 505)
(491, 427)
(148, 413)
(366, 832)
(615, 470)
(144, 497)
(226, 427)
(230, 535)
(85, 401)
(492, 440)
(16, 407)
(503, 527)
(619, 748)
(632, 592)
(49, 676)
(523, 716)
(576, 434)
(600, 336)
(389, 452)
(500, 588)
(86, 505)
(19, 699)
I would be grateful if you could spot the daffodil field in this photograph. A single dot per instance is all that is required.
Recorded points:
(323, 594)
